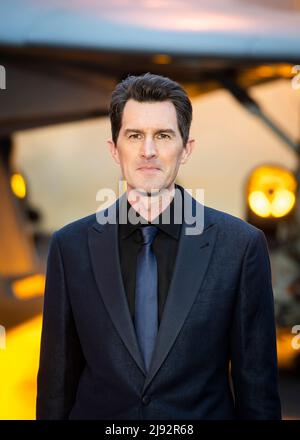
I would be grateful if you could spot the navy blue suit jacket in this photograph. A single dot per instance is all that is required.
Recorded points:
(217, 324)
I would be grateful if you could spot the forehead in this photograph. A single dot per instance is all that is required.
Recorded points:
(149, 114)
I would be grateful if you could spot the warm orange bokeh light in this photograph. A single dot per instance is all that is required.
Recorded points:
(18, 371)
(18, 185)
(271, 191)
(29, 287)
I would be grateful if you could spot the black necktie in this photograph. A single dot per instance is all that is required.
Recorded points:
(146, 309)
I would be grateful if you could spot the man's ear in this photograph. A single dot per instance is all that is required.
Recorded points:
(187, 150)
(113, 150)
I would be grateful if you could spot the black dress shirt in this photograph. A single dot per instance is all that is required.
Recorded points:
(164, 247)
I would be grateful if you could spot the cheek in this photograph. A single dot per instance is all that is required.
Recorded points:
(126, 159)
(171, 161)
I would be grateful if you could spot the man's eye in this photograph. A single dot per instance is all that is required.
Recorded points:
(135, 135)
(164, 136)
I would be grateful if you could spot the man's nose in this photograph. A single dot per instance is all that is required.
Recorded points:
(148, 148)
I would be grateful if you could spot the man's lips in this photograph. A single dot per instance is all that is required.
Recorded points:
(149, 168)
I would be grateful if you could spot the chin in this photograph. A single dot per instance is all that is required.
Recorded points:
(148, 187)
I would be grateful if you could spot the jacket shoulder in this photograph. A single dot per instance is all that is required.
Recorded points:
(76, 227)
(231, 225)
(228, 224)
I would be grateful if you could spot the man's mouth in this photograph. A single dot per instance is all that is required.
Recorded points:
(148, 169)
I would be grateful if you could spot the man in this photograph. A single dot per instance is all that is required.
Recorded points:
(144, 319)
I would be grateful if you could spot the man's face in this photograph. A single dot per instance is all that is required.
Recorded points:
(149, 148)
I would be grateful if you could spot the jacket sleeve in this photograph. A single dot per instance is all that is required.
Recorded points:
(61, 358)
(253, 338)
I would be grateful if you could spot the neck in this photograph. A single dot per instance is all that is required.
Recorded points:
(150, 205)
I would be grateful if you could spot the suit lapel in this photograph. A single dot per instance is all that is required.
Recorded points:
(104, 251)
(193, 255)
(192, 260)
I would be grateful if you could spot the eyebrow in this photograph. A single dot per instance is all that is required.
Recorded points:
(161, 130)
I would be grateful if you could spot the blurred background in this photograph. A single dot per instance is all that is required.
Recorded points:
(239, 60)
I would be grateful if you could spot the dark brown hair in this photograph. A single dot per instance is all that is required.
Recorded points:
(149, 88)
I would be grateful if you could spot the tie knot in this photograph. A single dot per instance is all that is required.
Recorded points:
(148, 233)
